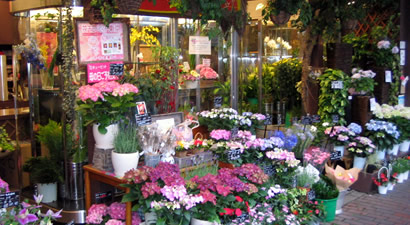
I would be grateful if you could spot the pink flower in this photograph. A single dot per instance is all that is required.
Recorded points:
(106, 86)
(124, 89)
(89, 92)
(223, 190)
(220, 134)
(117, 211)
(135, 219)
(208, 196)
(114, 222)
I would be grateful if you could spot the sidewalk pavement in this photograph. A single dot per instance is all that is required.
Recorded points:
(363, 209)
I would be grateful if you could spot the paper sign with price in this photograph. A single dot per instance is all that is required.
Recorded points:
(97, 72)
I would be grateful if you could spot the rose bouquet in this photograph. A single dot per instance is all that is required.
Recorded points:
(362, 81)
(206, 72)
(106, 102)
(112, 215)
(361, 146)
(383, 134)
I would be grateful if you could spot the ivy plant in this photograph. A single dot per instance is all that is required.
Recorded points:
(333, 101)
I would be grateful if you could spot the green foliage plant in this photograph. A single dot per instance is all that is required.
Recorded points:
(51, 136)
(223, 89)
(333, 101)
(325, 189)
(43, 170)
(5, 141)
(126, 140)
(274, 7)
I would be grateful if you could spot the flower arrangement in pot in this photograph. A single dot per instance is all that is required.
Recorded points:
(104, 104)
(384, 135)
(362, 81)
(327, 193)
(127, 150)
(182, 148)
(361, 147)
(339, 136)
(382, 180)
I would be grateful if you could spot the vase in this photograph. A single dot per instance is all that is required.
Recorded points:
(47, 81)
(395, 150)
(105, 141)
(191, 84)
(150, 218)
(381, 155)
(390, 186)
(404, 146)
(339, 148)
(340, 202)
(152, 160)
(195, 221)
(122, 162)
(49, 192)
(359, 162)
(330, 208)
(75, 180)
(382, 190)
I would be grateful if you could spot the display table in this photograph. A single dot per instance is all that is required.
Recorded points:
(91, 173)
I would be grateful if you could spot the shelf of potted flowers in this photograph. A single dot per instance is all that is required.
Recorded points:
(191, 77)
(208, 76)
(383, 134)
(382, 180)
(361, 147)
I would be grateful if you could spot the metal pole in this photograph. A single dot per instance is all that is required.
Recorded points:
(198, 88)
(174, 43)
(260, 68)
(31, 105)
(234, 69)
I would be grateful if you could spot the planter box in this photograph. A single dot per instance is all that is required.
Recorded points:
(365, 183)
(207, 83)
(194, 160)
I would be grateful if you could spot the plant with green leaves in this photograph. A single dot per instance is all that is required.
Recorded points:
(269, 92)
(43, 170)
(51, 135)
(333, 101)
(362, 81)
(126, 140)
(5, 141)
(288, 73)
(325, 189)
(223, 89)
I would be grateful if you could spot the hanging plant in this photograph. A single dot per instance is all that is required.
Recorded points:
(279, 11)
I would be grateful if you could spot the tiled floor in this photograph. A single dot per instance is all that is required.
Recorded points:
(363, 209)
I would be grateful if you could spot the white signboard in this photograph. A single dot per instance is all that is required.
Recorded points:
(199, 45)
(372, 104)
(402, 57)
(387, 76)
(206, 62)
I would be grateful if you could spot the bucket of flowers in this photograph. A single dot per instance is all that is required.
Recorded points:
(339, 136)
(382, 180)
(361, 147)
(383, 134)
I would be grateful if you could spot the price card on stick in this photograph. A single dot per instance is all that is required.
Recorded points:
(372, 104)
(387, 76)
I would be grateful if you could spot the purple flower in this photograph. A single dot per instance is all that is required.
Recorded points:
(117, 211)
(25, 217)
(220, 135)
(54, 215)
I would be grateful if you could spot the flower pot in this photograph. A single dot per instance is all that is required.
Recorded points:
(404, 146)
(181, 154)
(105, 141)
(190, 84)
(359, 162)
(394, 150)
(406, 175)
(49, 192)
(201, 222)
(339, 148)
(122, 162)
(340, 202)
(152, 160)
(280, 19)
(390, 186)
(400, 178)
(382, 190)
(381, 155)
(330, 208)
(150, 218)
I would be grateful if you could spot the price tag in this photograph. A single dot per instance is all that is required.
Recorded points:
(268, 120)
(402, 57)
(337, 84)
(316, 119)
(234, 154)
(234, 132)
(103, 197)
(218, 101)
(335, 155)
(311, 195)
(349, 97)
(372, 104)
(206, 62)
(186, 66)
(387, 76)
(142, 116)
(335, 119)
(9, 199)
(402, 45)
(116, 69)
(306, 120)
(269, 170)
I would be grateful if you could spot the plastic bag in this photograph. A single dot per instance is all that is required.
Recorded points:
(183, 132)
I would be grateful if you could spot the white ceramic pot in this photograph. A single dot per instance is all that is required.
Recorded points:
(406, 175)
(202, 222)
(122, 162)
(339, 148)
(49, 192)
(404, 146)
(390, 186)
(150, 218)
(190, 84)
(340, 202)
(394, 150)
(105, 141)
(359, 162)
(400, 178)
(382, 190)
(381, 154)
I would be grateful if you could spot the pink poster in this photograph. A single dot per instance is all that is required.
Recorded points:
(100, 43)
(97, 72)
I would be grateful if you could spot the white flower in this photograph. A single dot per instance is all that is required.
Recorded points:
(395, 50)
(267, 39)
(356, 76)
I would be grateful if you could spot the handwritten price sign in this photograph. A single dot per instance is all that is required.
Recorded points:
(97, 72)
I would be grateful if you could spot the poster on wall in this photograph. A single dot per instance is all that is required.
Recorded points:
(98, 43)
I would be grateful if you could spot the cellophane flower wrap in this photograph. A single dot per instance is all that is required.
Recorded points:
(106, 102)
(361, 146)
(383, 134)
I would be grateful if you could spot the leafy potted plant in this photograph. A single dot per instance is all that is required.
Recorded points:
(5, 141)
(362, 81)
(361, 147)
(279, 11)
(126, 151)
(327, 193)
(384, 135)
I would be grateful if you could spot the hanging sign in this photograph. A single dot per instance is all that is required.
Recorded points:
(336, 155)
(199, 45)
(335, 119)
(97, 72)
(268, 120)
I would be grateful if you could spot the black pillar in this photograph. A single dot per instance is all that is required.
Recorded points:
(405, 36)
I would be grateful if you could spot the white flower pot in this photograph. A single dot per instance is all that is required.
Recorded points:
(390, 186)
(404, 146)
(122, 162)
(394, 150)
(382, 190)
(406, 175)
(359, 162)
(202, 222)
(340, 202)
(190, 84)
(105, 141)
(400, 178)
(150, 218)
(381, 155)
(340, 148)
(49, 192)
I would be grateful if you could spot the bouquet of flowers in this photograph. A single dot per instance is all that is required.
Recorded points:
(111, 215)
(316, 157)
(191, 75)
(32, 52)
(206, 72)
(383, 180)
(383, 134)
(362, 81)
(106, 102)
(361, 146)
(341, 177)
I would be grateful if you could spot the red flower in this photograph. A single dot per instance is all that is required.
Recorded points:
(158, 102)
(198, 142)
(164, 78)
(247, 206)
(180, 70)
(295, 212)
(239, 199)
(158, 71)
(228, 212)
(238, 212)
(310, 211)
(172, 87)
(394, 175)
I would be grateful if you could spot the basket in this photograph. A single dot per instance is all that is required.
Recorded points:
(128, 6)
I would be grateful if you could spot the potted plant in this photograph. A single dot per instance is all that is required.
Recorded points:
(339, 136)
(279, 11)
(181, 149)
(401, 167)
(362, 81)
(104, 104)
(333, 97)
(361, 147)
(327, 193)
(383, 134)
(382, 180)
(306, 177)
(191, 77)
(5, 141)
(127, 150)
